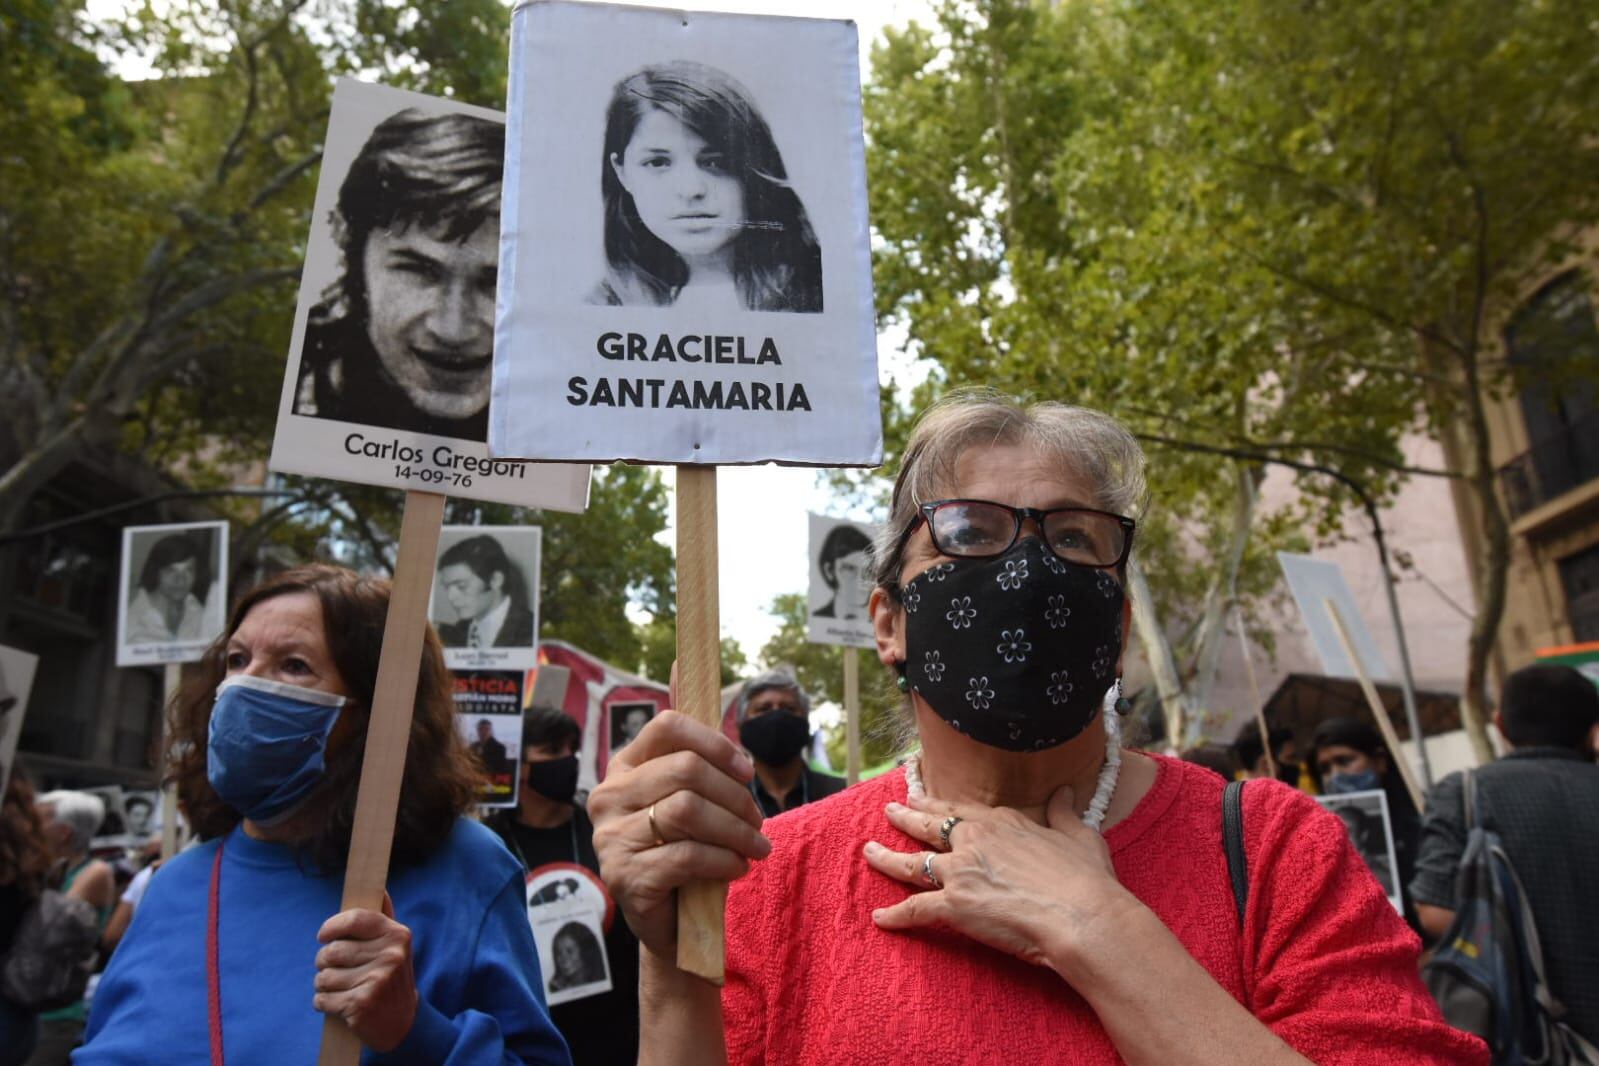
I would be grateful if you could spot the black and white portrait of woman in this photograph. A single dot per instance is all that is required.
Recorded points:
(172, 589)
(699, 211)
(404, 338)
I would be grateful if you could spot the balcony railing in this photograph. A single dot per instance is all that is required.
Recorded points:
(1554, 466)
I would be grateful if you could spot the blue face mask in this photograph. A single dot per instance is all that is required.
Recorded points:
(264, 756)
(1363, 781)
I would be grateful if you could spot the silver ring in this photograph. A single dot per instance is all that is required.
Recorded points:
(655, 829)
(947, 828)
(927, 871)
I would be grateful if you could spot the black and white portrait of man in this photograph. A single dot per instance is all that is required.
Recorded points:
(1365, 817)
(841, 582)
(404, 338)
(627, 722)
(485, 596)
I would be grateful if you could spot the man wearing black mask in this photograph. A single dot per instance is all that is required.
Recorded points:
(554, 840)
(774, 726)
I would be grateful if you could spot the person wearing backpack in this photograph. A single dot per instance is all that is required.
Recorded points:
(1542, 802)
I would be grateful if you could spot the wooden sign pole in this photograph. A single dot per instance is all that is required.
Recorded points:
(169, 790)
(700, 905)
(388, 733)
(1254, 696)
(852, 713)
(1384, 723)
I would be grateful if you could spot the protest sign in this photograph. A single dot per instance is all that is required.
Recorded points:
(388, 374)
(1313, 581)
(16, 681)
(172, 596)
(841, 582)
(141, 810)
(488, 712)
(685, 277)
(569, 911)
(685, 271)
(113, 829)
(1365, 816)
(485, 603)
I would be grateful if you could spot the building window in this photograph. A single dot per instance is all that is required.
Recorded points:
(1579, 576)
(1553, 346)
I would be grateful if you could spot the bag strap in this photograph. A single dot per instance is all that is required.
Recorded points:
(1468, 788)
(1232, 832)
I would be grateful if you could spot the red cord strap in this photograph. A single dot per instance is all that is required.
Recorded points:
(213, 974)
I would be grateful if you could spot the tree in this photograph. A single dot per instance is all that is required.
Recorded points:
(150, 232)
(820, 671)
(1275, 229)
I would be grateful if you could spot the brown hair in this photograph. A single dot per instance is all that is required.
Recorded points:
(25, 852)
(441, 779)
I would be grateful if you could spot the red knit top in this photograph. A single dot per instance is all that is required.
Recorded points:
(1322, 959)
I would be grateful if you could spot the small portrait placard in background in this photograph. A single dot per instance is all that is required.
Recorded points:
(628, 720)
(173, 600)
(1365, 816)
(570, 911)
(16, 681)
(113, 828)
(488, 712)
(485, 602)
(389, 367)
(685, 259)
(841, 582)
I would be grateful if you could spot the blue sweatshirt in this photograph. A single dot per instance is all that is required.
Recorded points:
(477, 971)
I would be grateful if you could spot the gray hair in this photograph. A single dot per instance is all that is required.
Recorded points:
(82, 812)
(1092, 445)
(760, 683)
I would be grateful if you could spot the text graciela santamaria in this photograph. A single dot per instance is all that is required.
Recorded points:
(704, 349)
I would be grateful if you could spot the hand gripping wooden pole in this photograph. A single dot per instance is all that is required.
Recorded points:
(387, 733)
(700, 905)
(1384, 722)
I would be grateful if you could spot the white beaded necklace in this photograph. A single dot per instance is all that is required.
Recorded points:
(1094, 817)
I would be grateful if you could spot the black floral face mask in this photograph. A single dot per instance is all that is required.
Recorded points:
(1016, 651)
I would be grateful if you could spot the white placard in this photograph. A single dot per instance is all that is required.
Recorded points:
(17, 668)
(388, 374)
(488, 713)
(172, 596)
(1365, 816)
(1315, 581)
(485, 601)
(685, 259)
(113, 829)
(141, 811)
(841, 582)
(569, 911)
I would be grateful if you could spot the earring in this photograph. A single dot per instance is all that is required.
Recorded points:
(1122, 704)
(902, 682)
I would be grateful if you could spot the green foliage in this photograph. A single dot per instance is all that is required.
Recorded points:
(820, 670)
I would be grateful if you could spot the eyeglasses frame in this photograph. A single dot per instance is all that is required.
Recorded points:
(1018, 516)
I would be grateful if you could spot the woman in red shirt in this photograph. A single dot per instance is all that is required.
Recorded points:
(1024, 890)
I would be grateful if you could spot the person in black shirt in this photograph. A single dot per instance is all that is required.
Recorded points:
(1543, 800)
(774, 726)
(554, 840)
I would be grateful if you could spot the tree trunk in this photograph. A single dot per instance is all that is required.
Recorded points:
(35, 467)
(1158, 650)
(1493, 566)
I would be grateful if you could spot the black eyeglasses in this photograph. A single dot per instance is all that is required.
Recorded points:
(977, 529)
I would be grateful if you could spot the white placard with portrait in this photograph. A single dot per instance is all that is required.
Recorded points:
(389, 367)
(685, 257)
(17, 668)
(569, 910)
(1365, 817)
(172, 596)
(841, 582)
(485, 600)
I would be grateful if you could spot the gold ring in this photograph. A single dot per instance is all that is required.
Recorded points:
(656, 829)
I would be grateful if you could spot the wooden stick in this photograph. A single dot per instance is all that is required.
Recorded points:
(1384, 723)
(169, 790)
(388, 732)
(1254, 695)
(852, 713)
(700, 906)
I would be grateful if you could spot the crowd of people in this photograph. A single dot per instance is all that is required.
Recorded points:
(1028, 885)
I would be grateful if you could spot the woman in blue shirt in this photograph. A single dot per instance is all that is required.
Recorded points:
(239, 946)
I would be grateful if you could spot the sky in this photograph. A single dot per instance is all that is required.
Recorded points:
(762, 514)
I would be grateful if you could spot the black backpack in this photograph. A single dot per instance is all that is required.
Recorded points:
(52, 955)
(1487, 973)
